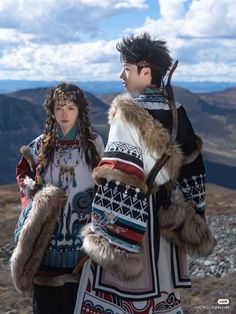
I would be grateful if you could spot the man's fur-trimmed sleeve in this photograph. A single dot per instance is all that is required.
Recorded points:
(120, 208)
(192, 174)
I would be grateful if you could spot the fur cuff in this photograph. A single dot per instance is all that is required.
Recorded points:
(34, 237)
(181, 225)
(123, 265)
(100, 173)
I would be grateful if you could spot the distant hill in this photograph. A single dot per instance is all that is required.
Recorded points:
(107, 87)
(9, 86)
(207, 286)
(220, 174)
(101, 87)
(214, 121)
(225, 99)
(22, 119)
(98, 107)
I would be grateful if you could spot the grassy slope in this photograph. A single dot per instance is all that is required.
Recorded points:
(205, 292)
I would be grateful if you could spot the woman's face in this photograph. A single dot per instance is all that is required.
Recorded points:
(66, 114)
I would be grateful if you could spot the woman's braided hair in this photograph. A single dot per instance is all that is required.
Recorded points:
(72, 93)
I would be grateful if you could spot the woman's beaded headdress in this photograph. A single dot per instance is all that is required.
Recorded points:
(63, 96)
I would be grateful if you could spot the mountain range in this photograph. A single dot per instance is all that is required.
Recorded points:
(115, 86)
(212, 114)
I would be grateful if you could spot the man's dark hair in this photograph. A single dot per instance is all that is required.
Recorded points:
(144, 51)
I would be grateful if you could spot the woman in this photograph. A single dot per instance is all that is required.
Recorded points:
(56, 187)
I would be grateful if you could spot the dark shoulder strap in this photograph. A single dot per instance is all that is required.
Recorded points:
(154, 171)
(170, 95)
(164, 158)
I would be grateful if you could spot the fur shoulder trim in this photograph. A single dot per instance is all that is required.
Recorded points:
(152, 133)
(34, 236)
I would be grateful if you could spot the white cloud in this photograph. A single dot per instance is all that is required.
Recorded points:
(206, 18)
(100, 61)
(131, 4)
(117, 4)
(88, 61)
(171, 9)
(56, 21)
(206, 71)
(203, 18)
(201, 35)
(43, 39)
(10, 36)
(94, 3)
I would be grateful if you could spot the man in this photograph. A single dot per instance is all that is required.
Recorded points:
(134, 269)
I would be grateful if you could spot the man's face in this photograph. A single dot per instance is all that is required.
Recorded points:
(132, 80)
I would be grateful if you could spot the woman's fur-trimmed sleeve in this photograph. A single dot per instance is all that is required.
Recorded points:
(34, 236)
(25, 177)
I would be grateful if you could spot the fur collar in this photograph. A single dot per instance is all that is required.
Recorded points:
(153, 135)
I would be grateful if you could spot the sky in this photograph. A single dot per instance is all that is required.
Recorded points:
(75, 40)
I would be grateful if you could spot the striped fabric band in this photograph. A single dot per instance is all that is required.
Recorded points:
(119, 213)
(124, 157)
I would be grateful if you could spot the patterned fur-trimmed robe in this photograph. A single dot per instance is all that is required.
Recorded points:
(48, 231)
(132, 268)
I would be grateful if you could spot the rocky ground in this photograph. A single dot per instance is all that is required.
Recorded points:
(213, 278)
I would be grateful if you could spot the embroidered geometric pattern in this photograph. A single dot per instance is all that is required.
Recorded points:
(63, 250)
(95, 305)
(160, 103)
(194, 190)
(101, 303)
(170, 303)
(124, 148)
(152, 98)
(120, 212)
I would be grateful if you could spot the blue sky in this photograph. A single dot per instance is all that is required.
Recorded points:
(75, 39)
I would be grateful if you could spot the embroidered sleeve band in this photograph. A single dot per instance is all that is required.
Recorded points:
(194, 190)
(119, 213)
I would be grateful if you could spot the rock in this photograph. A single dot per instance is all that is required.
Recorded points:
(222, 260)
